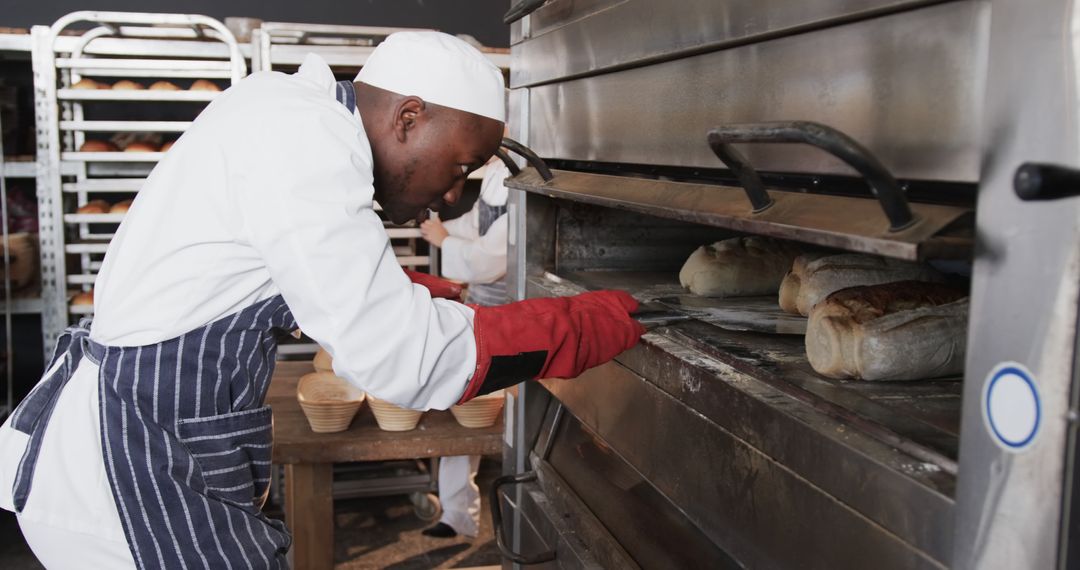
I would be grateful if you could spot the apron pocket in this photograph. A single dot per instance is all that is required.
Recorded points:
(233, 453)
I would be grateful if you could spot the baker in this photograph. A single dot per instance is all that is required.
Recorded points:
(147, 444)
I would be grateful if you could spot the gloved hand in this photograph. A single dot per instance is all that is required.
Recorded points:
(549, 338)
(437, 286)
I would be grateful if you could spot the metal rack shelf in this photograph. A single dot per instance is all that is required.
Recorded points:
(119, 45)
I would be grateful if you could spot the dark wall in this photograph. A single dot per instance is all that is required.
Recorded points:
(480, 18)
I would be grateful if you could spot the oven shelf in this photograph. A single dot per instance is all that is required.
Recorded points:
(841, 222)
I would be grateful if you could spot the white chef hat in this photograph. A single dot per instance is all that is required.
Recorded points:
(438, 68)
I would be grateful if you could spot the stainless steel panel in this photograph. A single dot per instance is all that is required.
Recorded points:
(908, 86)
(841, 222)
(574, 37)
(1024, 293)
(752, 505)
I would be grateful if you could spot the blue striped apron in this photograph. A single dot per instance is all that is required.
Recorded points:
(185, 436)
(488, 294)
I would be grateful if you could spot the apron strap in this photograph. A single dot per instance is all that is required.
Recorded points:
(346, 94)
(32, 415)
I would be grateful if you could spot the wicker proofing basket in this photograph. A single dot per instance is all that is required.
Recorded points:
(480, 412)
(329, 402)
(393, 418)
(323, 362)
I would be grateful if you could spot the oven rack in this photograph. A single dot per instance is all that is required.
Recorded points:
(142, 47)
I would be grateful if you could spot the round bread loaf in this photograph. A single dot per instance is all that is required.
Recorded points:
(141, 146)
(87, 83)
(121, 207)
(814, 276)
(909, 330)
(94, 207)
(83, 298)
(204, 85)
(165, 147)
(98, 146)
(127, 85)
(738, 267)
(164, 86)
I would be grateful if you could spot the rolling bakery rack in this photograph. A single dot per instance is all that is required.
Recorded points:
(118, 46)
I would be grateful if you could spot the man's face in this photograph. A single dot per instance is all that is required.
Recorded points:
(428, 162)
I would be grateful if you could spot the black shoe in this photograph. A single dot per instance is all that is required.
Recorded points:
(440, 530)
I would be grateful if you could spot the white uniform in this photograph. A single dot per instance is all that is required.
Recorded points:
(269, 192)
(473, 258)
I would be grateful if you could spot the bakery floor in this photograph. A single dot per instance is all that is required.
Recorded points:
(380, 532)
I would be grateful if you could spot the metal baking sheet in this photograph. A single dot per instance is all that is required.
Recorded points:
(748, 314)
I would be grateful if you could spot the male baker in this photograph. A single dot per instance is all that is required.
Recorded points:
(147, 444)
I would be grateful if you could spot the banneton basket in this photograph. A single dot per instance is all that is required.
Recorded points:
(323, 362)
(480, 412)
(329, 402)
(393, 418)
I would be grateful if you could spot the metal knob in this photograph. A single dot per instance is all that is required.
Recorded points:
(1037, 181)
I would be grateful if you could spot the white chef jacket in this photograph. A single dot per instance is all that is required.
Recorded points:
(269, 192)
(466, 255)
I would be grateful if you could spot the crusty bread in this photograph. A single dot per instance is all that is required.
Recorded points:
(204, 85)
(908, 330)
(127, 85)
(94, 207)
(87, 83)
(98, 146)
(164, 86)
(141, 146)
(121, 207)
(814, 276)
(738, 267)
(84, 298)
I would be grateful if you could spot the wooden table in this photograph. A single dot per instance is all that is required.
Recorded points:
(309, 458)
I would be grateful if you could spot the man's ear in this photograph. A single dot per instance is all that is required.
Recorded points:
(406, 116)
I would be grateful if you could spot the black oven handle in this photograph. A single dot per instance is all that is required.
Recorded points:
(509, 162)
(497, 520)
(531, 157)
(888, 192)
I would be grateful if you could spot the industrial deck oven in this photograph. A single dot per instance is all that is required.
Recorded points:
(920, 130)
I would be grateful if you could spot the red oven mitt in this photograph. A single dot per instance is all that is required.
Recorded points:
(437, 286)
(549, 338)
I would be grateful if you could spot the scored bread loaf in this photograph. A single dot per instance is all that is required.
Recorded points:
(94, 207)
(204, 85)
(98, 146)
(814, 276)
(141, 146)
(164, 86)
(128, 85)
(909, 330)
(738, 267)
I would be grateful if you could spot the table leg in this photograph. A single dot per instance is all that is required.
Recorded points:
(309, 512)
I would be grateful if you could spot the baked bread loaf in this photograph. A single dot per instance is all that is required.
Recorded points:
(94, 207)
(738, 267)
(87, 83)
(164, 86)
(166, 146)
(121, 207)
(909, 330)
(127, 85)
(814, 276)
(204, 85)
(141, 146)
(98, 146)
(84, 298)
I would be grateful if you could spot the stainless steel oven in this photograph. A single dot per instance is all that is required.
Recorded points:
(921, 130)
